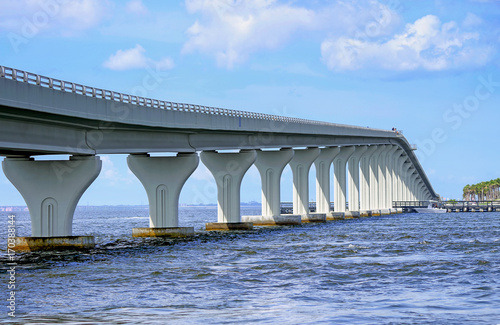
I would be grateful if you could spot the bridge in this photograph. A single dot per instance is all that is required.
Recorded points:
(46, 116)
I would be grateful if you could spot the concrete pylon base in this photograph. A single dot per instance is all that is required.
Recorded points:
(376, 213)
(281, 220)
(365, 213)
(163, 232)
(385, 212)
(351, 215)
(335, 216)
(34, 244)
(223, 226)
(313, 217)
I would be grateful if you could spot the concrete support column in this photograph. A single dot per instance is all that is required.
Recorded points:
(399, 176)
(418, 187)
(52, 190)
(323, 164)
(340, 190)
(364, 182)
(163, 179)
(353, 179)
(413, 178)
(301, 164)
(389, 189)
(409, 174)
(405, 181)
(228, 170)
(426, 194)
(382, 180)
(374, 178)
(270, 165)
(420, 191)
(396, 163)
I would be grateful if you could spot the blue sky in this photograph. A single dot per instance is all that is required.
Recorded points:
(429, 68)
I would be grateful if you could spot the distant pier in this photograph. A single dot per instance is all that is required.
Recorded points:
(451, 206)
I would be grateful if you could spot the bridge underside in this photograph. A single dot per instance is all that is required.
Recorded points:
(47, 134)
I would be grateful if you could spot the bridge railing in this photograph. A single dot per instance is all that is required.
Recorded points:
(71, 87)
(410, 204)
(471, 204)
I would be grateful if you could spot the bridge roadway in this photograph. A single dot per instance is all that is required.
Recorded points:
(44, 116)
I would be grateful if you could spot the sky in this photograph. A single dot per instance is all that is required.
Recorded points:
(429, 68)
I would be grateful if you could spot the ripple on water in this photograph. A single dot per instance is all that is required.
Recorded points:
(395, 269)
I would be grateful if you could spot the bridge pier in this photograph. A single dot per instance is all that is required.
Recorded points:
(382, 179)
(323, 164)
(375, 180)
(301, 164)
(405, 175)
(354, 184)
(412, 180)
(364, 182)
(163, 179)
(270, 165)
(52, 189)
(340, 182)
(389, 189)
(400, 161)
(228, 170)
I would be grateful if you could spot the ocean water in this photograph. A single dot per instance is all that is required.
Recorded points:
(399, 269)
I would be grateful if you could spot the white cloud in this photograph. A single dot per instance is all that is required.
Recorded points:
(202, 173)
(358, 18)
(136, 7)
(426, 44)
(112, 175)
(134, 58)
(472, 20)
(30, 17)
(109, 171)
(232, 30)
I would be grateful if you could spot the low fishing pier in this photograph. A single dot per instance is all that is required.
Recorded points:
(450, 206)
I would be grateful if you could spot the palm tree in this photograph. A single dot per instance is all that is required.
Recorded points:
(483, 191)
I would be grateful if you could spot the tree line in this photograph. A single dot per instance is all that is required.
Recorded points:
(484, 191)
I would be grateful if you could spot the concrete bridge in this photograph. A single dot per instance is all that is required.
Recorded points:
(45, 116)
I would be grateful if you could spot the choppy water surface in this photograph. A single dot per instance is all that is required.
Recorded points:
(404, 269)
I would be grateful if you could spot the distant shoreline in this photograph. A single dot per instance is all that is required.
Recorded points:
(19, 208)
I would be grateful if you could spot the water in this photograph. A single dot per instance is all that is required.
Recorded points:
(403, 269)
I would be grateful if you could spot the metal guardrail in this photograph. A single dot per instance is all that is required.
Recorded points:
(453, 205)
(66, 86)
(471, 204)
(410, 204)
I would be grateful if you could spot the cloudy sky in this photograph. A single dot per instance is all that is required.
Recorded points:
(430, 68)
